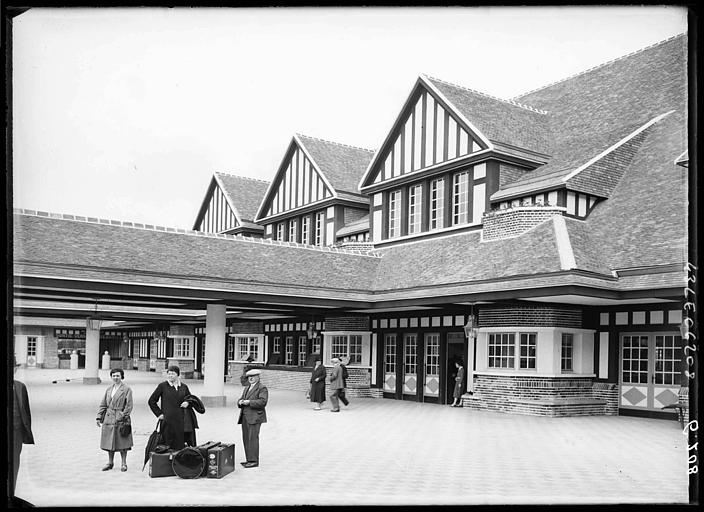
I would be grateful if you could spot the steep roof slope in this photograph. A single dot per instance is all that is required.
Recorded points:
(245, 193)
(501, 121)
(342, 165)
(591, 111)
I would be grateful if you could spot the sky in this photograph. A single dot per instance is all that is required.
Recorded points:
(126, 113)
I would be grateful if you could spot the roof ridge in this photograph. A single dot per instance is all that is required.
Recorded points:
(241, 177)
(640, 50)
(190, 232)
(503, 100)
(336, 143)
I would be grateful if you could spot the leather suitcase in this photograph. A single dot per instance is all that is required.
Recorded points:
(221, 460)
(160, 464)
(204, 452)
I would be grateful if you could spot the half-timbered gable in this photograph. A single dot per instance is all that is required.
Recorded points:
(230, 205)
(314, 193)
(442, 159)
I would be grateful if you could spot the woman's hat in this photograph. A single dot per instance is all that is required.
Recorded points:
(174, 369)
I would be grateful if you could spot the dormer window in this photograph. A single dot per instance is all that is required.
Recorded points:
(460, 190)
(415, 201)
(319, 221)
(305, 230)
(292, 228)
(280, 231)
(394, 213)
(437, 203)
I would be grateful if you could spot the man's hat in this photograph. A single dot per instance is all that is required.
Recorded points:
(253, 372)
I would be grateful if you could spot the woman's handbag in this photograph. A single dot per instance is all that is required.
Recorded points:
(124, 426)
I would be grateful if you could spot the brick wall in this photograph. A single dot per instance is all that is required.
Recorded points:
(512, 222)
(246, 328)
(347, 323)
(608, 392)
(544, 396)
(528, 316)
(298, 379)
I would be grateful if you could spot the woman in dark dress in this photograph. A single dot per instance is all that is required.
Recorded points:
(317, 384)
(459, 380)
(179, 421)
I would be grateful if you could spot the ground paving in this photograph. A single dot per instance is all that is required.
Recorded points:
(375, 452)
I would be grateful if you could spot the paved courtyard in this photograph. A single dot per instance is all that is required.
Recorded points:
(376, 452)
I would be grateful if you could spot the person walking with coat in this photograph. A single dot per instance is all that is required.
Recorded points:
(317, 384)
(336, 384)
(172, 394)
(252, 406)
(459, 379)
(114, 412)
(22, 425)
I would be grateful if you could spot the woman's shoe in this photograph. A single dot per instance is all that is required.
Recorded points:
(316, 408)
(123, 468)
(108, 466)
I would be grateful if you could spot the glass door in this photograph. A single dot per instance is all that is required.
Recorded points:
(432, 365)
(651, 370)
(390, 363)
(410, 364)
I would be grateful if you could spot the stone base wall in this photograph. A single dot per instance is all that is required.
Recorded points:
(608, 392)
(543, 396)
(297, 378)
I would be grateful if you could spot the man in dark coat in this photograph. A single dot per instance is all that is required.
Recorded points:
(252, 406)
(178, 431)
(22, 423)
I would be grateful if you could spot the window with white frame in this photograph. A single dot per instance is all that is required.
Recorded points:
(567, 352)
(355, 349)
(277, 345)
(527, 350)
(339, 346)
(32, 346)
(183, 347)
(319, 221)
(143, 347)
(289, 349)
(280, 231)
(390, 353)
(394, 213)
(502, 350)
(292, 225)
(161, 348)
(437, 203)
(302, 350)
(305, 230)
(410, 351)
(247, 345)
(344, 345)
(460, 191)
(415, 202)
(315, 347)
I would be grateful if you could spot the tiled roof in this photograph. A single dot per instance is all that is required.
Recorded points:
(342, 165)
(355, 227)
(644, 221)
(187, 255)
(592, 111)
(245, 193)
(501, 121)
(463, 258)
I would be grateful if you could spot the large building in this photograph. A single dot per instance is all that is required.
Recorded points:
(543, 240)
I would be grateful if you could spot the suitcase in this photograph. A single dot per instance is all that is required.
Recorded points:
(204, 452)
(221, 460)
(160, 464)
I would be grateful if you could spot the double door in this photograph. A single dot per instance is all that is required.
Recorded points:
(650, 370)
(413, 366)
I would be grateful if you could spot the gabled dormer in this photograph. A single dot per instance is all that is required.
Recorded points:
(230, 205)
(442, 160)
(314, 192)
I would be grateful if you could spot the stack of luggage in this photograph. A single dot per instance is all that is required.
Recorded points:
(212, 460)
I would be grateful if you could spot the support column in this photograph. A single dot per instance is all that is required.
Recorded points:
(470, 363)
(90, 376)
(213, 368)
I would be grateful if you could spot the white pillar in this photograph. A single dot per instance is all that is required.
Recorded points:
(90, 376)
(471, 340)
(213, 371)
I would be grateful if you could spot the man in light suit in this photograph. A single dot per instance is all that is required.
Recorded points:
(22, 425)
(252, 406)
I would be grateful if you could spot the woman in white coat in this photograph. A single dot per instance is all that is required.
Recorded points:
(113, 413)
